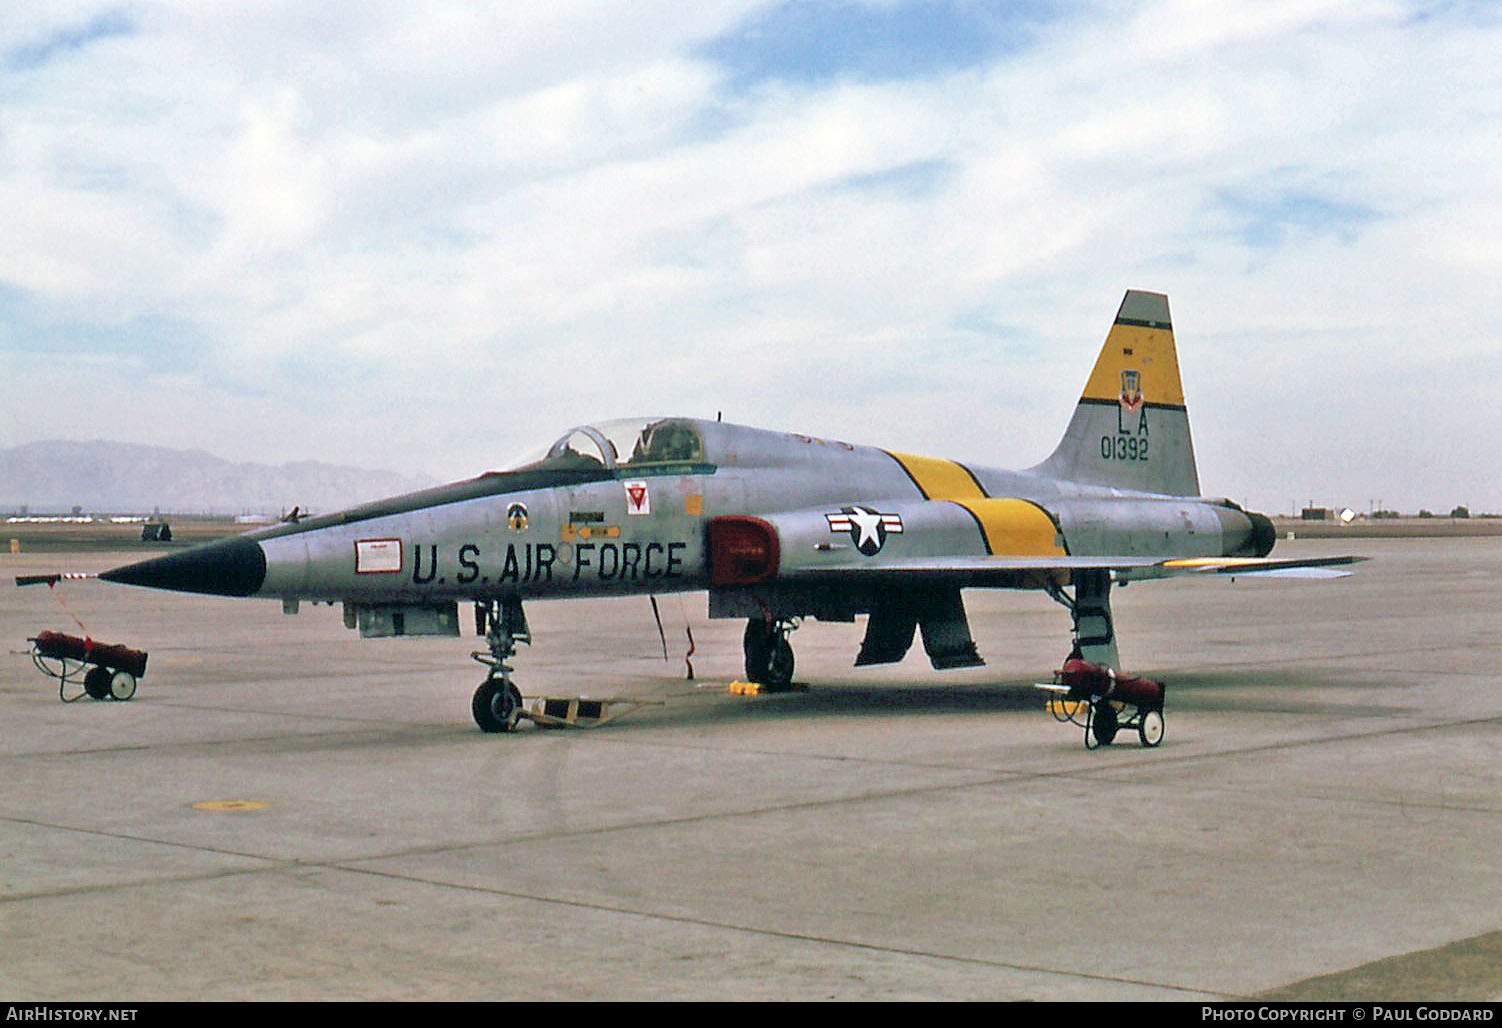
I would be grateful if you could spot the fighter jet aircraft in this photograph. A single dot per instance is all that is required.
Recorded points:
(777, 527)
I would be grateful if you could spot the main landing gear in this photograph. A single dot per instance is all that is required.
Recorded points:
(1090, 608)
(497, 704)
(769, 655)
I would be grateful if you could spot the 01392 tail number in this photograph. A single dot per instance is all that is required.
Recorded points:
(1123, 447)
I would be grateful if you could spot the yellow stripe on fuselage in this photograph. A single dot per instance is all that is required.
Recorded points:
(1015, 528)
(1009, 527)
(940, 479)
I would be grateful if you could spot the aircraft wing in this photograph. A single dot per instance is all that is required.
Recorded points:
(978, 570)
(1261, 567)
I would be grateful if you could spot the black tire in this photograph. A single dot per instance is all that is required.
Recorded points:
(497, 706)
(1104, 724)
(757, 643)
(96, 682)
(780, 665)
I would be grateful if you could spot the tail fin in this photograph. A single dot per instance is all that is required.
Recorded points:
(1131, 428)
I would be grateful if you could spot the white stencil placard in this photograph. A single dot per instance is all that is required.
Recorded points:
(378, 556)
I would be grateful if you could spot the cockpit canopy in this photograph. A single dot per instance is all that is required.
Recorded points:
(644, 443)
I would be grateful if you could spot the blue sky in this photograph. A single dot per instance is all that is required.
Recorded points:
(817, 43)
(65, 39)
(425, 239)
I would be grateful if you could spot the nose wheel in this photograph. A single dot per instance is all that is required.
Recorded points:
(497, 705)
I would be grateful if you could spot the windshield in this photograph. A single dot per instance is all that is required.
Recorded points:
(631, 443)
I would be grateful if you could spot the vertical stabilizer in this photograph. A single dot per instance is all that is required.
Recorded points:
(1131, 428)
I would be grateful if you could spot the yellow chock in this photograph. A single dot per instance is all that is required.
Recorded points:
(739, 688)
(1062, 708)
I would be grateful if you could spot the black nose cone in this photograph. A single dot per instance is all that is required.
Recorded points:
(230, 567)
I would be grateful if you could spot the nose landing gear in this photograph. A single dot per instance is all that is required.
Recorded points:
(497, 703)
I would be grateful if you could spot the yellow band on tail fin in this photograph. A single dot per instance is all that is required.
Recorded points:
(1138, 364)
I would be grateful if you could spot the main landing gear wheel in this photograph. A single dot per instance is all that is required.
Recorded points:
(780, 666)
(1150, 728)
(769, 655)
(497, 705)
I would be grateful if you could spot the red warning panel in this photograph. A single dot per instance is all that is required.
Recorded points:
(638, 500)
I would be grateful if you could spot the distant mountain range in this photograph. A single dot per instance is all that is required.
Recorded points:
(102, 477)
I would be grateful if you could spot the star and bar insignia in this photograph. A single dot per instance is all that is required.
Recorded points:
(868, 529)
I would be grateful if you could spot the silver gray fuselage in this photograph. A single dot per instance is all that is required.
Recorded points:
(508, 534)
